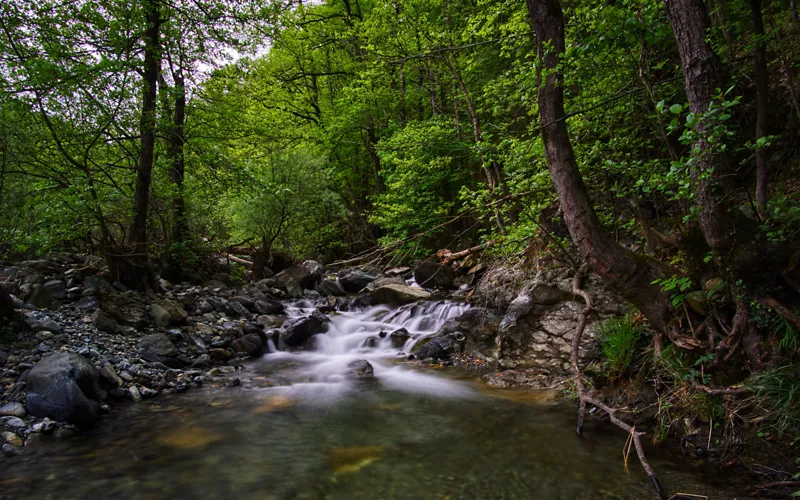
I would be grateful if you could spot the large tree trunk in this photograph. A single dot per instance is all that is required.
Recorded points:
(178, 139)
(762, 90)
(137, 274)
(629, 275)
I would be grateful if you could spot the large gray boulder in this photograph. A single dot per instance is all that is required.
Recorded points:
(398, 294)
(295, 333)
(252, 344)
(64, 387)
(329, 287)
(479, 329)
(300, 275)
(127, 308)
(355, 280)
(433, 275)
(57, 289)
(158, 344)
(40, 297)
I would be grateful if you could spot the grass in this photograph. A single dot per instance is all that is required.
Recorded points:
(618, 338)
(780, 391)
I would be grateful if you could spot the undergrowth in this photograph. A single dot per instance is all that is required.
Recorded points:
(618, 337)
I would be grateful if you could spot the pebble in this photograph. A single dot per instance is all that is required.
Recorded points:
(14, 422)
(13, 410)
(135, 394)
(11, 438)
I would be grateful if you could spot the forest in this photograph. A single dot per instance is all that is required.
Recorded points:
(653, 145)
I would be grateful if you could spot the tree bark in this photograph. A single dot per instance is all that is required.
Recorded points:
(137, 273)
(629, 275)
(762, 114)
(177, 174)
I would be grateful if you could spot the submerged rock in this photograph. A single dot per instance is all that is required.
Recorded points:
(64, 387)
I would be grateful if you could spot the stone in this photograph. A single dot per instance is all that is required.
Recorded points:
(98, 283)
(13, 410)
(398, 294)
(396, 280)
(296, 332)
(355, 280)
(269, 307)
(697, 301)
(11, 438)
(216, 285)
(314, 268)
(399, 338)
(251, 344)
(109, 375)
(432, 275)
(158, 344)
(236, 309)
(89, 303)
(438, 348)
(127, 308)
(294, 290)
(64, 387)
(40, 297)
(105, 323)
(14, 422)
(479, 327)
(247, 302)
(329, 287)
(177, 315)
(136, 396)
(360, 369)
(300, 275)
(57, 288)
(10, 450)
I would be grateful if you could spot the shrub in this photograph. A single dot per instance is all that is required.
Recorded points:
(618, 338)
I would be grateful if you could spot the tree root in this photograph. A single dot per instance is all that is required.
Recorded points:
(584, 398)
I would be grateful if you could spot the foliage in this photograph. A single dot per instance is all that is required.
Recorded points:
(618, 338)
(780, 390)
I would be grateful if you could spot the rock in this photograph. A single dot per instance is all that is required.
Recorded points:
(251, 344)
(158, 344)
(399, 338)
(360, 369)
(57, 288)
(396, 280)
(105, 323)
(433, 275)
(269, 307)
(398, 294)
(10, 450)
(216, 285)
(63, 386)
(294, 290)
(398, 271)
(160, 315)
(247, 302)
(3, 358)
(329, 287)
(697, 301)
(110, 376)
(268, 321)
(438, 347)
(177, 315)
(236, 309)
(40, 297)
(356, 280)
(295, 333)
(220, 354)
(298, 274)
(314, 268)
(89, 303)
(136, 396)
(98, 283)
(716, 285)
(13, 422)
(11, 438)
(13, 410)
(499, 286)
(127, 308)
(479, 327)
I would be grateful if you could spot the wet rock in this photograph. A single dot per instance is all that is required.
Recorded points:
(294, 290)
(396, 280)
(252, 344)
(439, 348)
(296, 332)
(236, 309)
(399, 338)
(247, 302)
(433, 275)
(314, 268)
(11, 438)
(136, 396)
(220, 354)
(360, 369)
(13, 410)
(64, 387)
(269, 307)
(398, 294)
(479, 327)
(297, 274)
(355, 280)
(40, 297)
(330, 287)
(371, 342)
(12, 422)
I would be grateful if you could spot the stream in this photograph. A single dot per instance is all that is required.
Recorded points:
(299, 427)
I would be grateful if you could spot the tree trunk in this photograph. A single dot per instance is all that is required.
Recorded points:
(762, 114)
(629, 275)
(137, 273)
(178, 139)
(261, 260)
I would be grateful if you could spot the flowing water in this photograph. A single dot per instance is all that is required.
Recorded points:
(298, 427)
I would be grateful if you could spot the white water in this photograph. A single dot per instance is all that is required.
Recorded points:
(321, 374)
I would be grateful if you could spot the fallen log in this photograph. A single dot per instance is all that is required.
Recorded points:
(241, 261)
(448, 257)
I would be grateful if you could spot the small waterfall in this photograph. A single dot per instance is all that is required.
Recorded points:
(366, 334)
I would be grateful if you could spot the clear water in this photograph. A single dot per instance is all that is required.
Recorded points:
(297, 428)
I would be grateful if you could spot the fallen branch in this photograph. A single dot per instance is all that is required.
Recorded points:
(781, 309)
(724, 391)
(586, 398)
(241, 261)
(447, 257)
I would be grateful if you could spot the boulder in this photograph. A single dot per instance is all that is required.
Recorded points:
(160, 315)
(294, 290)
(439, 347)
(360, 369)
(395, 280)
(98, 283)
(236, 308)
(433, 275)
(296, 332)
(57, 288)
(177, 315)
(329, 287)
(13, 410)
(399, 338)
(105, 323)
(63, 386)
(158, 344)
(300, 275)
(314, 268)
(398, 294)
(269, 307)
(127, 308)
(479, 328)
(40, 297)
(252, 344)
(216, 285)
(247, 302)
(355, 280)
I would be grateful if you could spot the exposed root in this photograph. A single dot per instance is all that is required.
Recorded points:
(584, 398)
